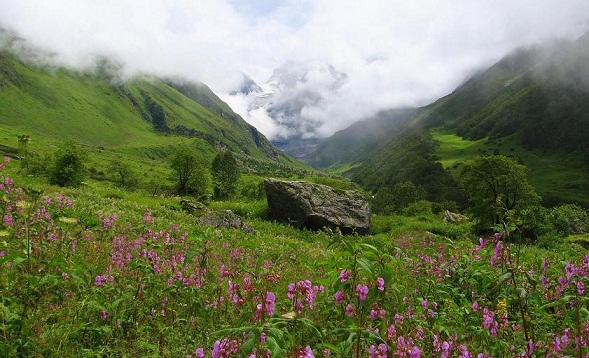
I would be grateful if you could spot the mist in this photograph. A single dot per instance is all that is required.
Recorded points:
(394, 53)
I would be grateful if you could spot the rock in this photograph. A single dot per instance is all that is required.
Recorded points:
(454, 218)
(316, 206)
(193, 207)
(226, 219)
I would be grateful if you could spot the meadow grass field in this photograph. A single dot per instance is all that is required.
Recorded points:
(555, 175)
(102, 271)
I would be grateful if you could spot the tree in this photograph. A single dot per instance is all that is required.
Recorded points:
(126, 176)
(225, 173)
(23, 143)
(69, 165)
(189, 172)
(393, 200)
(498, 189)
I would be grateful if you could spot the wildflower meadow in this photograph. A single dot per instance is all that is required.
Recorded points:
(82, 275)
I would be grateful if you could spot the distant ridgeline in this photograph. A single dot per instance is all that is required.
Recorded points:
(532, 105)
(96, 107)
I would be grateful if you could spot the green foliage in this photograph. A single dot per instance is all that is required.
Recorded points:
(225, 173)
(190, 173)
(126, 177)
(37, 165)
(394, 200)
(569, 219)
(251, 187)
(69, 165)
(409, 157)
(498, 189)
(23, 143)
(419, 208)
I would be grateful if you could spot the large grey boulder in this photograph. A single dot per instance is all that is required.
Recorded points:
(316, 206)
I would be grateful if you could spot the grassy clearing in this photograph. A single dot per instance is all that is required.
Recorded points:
(556, 176)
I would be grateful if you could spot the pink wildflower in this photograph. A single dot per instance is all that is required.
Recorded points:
(306, 353)
(344, 275)
(350, 311)
(362, 291)
(270, 301)
(339, 297)
(380, 284)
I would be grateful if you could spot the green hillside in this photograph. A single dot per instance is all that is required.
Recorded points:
(145, 116)
(354, 142)
(532, 105)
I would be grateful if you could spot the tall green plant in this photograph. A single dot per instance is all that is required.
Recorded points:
(499, 190)
(69, 165)
(190, 173)
(225, 173)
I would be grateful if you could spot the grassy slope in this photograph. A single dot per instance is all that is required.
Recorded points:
(53, 105)
(530, 104)
(553, 174)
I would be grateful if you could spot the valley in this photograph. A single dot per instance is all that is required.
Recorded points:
(476, 244)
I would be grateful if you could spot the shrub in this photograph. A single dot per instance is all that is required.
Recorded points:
(225, 173)
(569, 219)
(69, 165)
(35, 164)
(419, 208)
(190, 173)
(393, 200)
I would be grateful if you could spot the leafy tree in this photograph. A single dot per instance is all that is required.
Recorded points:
(23, 143)
(393, 200)
(499, 191)
(69, 165)
(190, 173)
(225, 173)
(569, 219)
(123, 171)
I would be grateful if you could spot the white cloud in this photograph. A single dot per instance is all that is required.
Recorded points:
(394, 52)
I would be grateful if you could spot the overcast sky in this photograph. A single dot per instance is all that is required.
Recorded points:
(395, 52)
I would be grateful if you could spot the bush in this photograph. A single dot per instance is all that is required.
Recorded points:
(37, 165)
(251, 188)
(225, 172)
(419, 208)
(190, 173)
(69, 165)
(569, 219)
(392, 200)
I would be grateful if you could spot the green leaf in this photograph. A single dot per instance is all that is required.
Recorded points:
(274, 347)
(521, 292)
(249, 345)
(501, 279)
(584, 313)
(366, 265)
(369, 247)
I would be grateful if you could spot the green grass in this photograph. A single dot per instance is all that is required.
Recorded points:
(556, 175)
(421, 259)
(53, 105)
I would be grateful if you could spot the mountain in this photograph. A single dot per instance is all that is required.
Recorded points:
(531, 105)
(294, 88)
(350, 145)
(145, 115)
